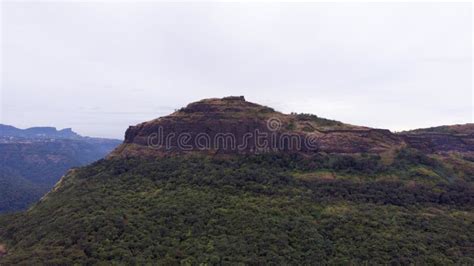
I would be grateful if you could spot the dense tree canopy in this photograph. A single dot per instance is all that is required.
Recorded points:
(277, 209)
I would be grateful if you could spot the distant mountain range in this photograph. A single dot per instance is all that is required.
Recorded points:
(224, 181)
(37, 133)
(32, 160)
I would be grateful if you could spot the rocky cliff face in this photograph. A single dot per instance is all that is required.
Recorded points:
(234, 125)
(457, 138)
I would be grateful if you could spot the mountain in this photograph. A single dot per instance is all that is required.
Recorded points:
(226, 181)
(7, 131)
(34, 159)
(224, 126)
(221, 125)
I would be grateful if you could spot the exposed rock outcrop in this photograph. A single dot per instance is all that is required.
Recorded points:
(232, 125)
(434, 142)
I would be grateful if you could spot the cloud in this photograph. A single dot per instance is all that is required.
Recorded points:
(389, 65)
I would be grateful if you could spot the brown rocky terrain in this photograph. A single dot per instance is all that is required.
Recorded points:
(234, 125)
(456, 138)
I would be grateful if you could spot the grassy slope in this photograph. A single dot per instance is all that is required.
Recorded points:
(255, 209)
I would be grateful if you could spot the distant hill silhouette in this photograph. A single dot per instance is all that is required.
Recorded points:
(37, 132)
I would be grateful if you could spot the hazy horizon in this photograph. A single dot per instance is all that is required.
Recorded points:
(99, 67)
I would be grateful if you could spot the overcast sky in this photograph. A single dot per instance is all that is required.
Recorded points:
(100, 67)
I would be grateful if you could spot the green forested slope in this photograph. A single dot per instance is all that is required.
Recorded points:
(258, 209)
(17, 193)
